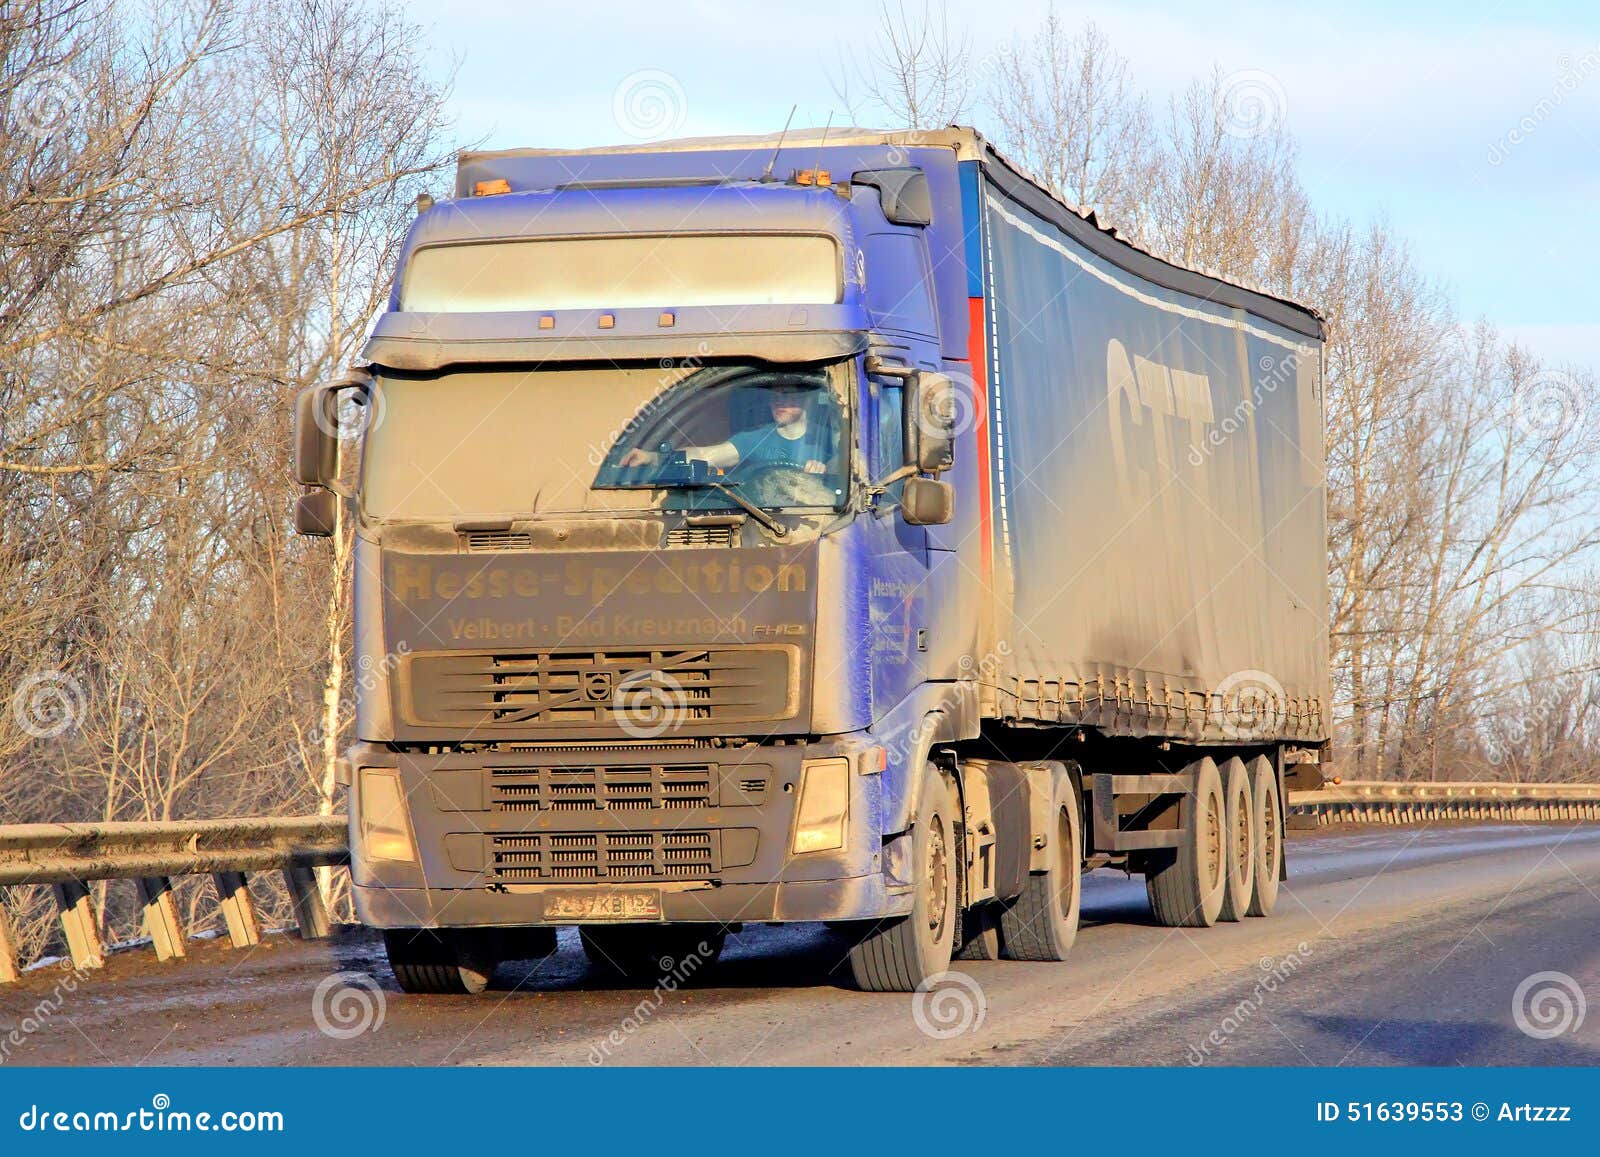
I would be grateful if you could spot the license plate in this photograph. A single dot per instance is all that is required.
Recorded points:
(598, 906)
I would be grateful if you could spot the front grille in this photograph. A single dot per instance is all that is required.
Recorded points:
(673, 855)
(587, 789)
(702, 536)
(498, 540)
(644, 693)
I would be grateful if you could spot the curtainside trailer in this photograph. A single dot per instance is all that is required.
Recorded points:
(818, 527)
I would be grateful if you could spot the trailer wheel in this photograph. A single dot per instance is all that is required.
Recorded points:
(441, 961)
(1241, 835)
(898, 955)
(1185, 884)
(1042, 922)
(1269, 836)
(652, 951)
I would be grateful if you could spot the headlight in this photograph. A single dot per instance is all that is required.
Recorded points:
(385, 834)
(824, 802)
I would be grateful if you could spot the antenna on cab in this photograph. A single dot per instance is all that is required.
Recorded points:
(766, 174)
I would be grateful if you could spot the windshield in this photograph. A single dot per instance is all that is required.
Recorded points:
(498, 442)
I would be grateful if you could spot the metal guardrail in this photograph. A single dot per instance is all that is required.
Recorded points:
(1386, 802)
(68, 857)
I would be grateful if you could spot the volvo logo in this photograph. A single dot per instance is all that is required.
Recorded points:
(597, 686)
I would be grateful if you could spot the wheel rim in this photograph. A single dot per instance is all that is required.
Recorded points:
(1069, 877)
(1269, 837)
(938, 880)
(1213, 845)
(1241, 838)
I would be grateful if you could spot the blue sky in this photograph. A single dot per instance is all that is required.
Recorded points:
(1402, 110)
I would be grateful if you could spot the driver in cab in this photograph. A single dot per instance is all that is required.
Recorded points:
(791, 441)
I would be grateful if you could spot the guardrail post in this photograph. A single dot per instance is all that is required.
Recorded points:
(77, 921)
(238, 908)
(10, 959)
(309, 911)
(161, 916)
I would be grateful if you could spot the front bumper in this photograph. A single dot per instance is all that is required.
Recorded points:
(706, 828)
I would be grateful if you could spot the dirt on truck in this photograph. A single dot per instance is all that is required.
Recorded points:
(815, 528)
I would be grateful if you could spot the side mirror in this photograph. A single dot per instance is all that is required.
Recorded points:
(316, 430)
(316, 442)
(934, 404)
(316, 514)
(927, 502)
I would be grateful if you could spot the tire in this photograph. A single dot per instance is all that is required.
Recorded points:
(900, 954)
(1241, 839)
(1269, 836)
(651, 951)
(1042, 922)
(980, 933)
(441, 961)
(1185, 884)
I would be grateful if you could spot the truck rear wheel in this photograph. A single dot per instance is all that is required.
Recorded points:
(980, 933)
(441, 961)
(1042, 922)
(1185, 884)
(646, 951)
(1239, 810)
(898, 955)
(1269, 836)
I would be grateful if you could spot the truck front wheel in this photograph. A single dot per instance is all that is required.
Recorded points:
(441, 961)
(900, 954)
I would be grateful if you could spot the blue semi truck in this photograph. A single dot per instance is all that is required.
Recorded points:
(815, 527)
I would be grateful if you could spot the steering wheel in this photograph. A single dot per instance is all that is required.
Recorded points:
(783, 484)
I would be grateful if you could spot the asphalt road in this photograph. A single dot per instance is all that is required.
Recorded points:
(1388, 947)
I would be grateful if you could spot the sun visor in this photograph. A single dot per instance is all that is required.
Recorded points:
(431, 341)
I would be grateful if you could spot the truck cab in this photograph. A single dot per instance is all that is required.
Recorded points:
(643, 559)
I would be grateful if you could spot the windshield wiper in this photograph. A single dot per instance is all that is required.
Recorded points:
(727, 490)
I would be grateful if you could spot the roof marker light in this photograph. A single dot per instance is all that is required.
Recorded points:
(491, 188)
(547, 321)
(667, 319)
(608, 320)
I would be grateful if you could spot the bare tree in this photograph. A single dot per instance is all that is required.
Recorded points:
(917, 73)
(1067, 110)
